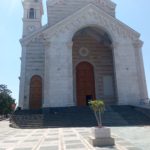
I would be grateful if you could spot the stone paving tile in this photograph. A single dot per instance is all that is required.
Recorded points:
(49, 148)
(49, 144)
(23, 135)
(31, 138)
(23, 148)
(40, 131)
(73, 142)
(39, 135)
(10, 141)
(123, 142)
(6, 145)
(75, 146)
(51, 139)
(133, 148)
(35, 140)
(52, 135)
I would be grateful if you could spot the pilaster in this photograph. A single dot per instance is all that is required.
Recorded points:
(22, 77)
(126, 73)
(46, 75)
(140, 69)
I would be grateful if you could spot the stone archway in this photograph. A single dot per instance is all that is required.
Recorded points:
(35, 99)
(85, 83)
(94, 45)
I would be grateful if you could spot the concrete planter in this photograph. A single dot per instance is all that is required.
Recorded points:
(101, 137)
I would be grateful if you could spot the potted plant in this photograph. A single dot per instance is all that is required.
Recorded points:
(98, 107)
(101, 136)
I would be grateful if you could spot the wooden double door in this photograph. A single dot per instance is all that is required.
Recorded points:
(85, 83)
(35, 99)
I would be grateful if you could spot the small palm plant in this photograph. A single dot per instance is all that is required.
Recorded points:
(98, 107)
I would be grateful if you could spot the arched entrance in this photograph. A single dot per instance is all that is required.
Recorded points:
(94, 45)
(85, 83)
(35, 99)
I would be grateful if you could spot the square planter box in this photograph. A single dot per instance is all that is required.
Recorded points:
(101, 137)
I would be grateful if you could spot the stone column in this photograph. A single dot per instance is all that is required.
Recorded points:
(22, 77)
(140, 69)
(58, 86)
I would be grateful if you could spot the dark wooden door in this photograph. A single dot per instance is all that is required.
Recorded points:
(85, 83)
(35, 100)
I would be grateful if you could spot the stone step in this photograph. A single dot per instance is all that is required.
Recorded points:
(79, 117)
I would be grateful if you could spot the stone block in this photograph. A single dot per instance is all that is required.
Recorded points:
(101, 141)
(101, 132)
(101, 137)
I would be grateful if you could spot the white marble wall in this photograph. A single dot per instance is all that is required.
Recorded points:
(58, 75)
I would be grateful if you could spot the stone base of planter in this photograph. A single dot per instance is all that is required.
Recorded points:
(101, 141)
(101, 137)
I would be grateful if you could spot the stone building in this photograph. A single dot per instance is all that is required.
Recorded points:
(84, 52)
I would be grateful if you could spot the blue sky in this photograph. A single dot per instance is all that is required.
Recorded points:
(132, 12)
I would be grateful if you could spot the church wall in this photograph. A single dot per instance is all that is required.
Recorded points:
(34, 66)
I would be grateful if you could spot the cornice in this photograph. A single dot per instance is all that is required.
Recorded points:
(103, 3)
(138, 44)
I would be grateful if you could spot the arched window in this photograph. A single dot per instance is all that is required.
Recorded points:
(31, 13)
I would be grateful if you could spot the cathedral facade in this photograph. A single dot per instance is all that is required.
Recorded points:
(84, 52)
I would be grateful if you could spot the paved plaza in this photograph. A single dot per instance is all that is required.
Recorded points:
(127, 138)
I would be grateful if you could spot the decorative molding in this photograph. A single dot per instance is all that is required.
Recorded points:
(138, 43)
(83, 51)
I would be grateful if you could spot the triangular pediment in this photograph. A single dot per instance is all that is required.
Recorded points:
(60, 9)
(89, 15)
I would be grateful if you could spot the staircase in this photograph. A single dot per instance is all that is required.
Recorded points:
(78, 117)
(133, 115)
(27, 119)
(70, 117)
